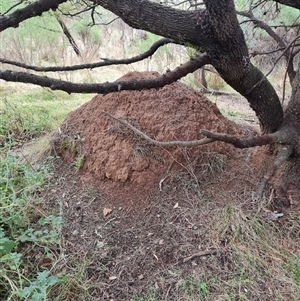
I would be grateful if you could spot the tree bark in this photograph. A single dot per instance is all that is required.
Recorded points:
(215, 30)
(29, 11)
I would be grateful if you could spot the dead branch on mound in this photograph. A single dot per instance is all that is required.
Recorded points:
(200, 254)
(159, 143)
(282, 155)
(108, 87)
(104, 62)
(277, 137)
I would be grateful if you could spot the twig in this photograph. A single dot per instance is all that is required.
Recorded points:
(200, 254)
(274, 65)
(160, 143)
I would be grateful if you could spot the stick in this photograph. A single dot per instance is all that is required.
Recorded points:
(160, 143)
(200, 254)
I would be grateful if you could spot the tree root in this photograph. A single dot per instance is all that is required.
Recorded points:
(245, 142)
(282, 155)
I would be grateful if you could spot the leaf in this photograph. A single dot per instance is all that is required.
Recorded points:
(112, 277)
(106, 211)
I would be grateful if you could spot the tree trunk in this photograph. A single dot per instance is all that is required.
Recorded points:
(216, 31)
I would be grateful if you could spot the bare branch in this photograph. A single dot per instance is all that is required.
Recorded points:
(31, 10)
(106, 62)
(292, 3)
(200, 254)
(270, 71)
(12, 7)
(289, 59)
(105, 88)
(255, 52)
(264, 26)
(160, 143)
(68, 35)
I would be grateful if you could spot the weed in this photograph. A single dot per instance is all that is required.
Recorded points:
(214, 163)
(18, 185)
(79, 162)
(38, 289)
(196, 287)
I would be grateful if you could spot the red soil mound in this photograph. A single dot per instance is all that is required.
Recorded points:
(115, 154)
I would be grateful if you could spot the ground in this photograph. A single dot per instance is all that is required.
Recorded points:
(138, 217)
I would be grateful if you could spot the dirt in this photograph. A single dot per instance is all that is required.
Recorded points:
(134, 213)
(122, 162)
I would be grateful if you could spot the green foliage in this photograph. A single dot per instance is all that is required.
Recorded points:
(19, 278)
(196, 287)
(27, 114)
(37, 290)
(21, 122)
(88, 34)
(79, 162)
(293, 270)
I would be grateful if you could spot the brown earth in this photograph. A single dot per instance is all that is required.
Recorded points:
(122, 162)
(136, 216)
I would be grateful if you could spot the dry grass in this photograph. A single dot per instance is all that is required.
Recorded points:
(139, 253)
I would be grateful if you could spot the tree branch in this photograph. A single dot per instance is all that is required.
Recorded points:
(107, 62)
(179, 25)
(31, 10)
(245, 142)
(160, 143)
(292, 3)
(109, 87)
(67, 33)
(259, 23)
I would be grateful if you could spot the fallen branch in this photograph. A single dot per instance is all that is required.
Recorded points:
(200, 254)
(160, 143)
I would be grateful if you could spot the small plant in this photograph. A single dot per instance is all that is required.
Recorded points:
(19, 278)
(215, 163)
(196, 287)
(79, 162)
(38, 289)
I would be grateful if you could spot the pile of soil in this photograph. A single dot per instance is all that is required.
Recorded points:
(119, 158)
(136, 237)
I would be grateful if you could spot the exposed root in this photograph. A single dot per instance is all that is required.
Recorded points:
(278, 137)
(283, 154)
(245, 142)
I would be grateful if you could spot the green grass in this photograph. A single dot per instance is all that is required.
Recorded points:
(26, 114)
(30, 112)
(21, 279)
